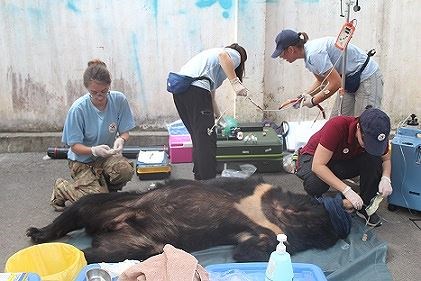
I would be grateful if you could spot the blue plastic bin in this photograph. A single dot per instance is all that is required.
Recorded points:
(20, 276)
(256, 270)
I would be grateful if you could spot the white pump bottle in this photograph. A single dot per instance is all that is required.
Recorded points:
(279, 265)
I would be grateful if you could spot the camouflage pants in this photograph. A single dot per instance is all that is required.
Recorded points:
(101, 176)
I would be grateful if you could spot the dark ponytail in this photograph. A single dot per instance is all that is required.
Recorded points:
(302, 39)
(239, 71)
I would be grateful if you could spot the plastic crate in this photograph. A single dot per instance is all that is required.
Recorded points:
(256, 270)
(20, 276)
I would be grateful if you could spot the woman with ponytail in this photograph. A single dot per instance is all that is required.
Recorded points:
(196, 105)
(324, 60)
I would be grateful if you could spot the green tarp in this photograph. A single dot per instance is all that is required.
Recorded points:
(351, 259)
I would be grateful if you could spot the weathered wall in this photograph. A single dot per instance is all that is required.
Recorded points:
(46, 44)
(388, 26)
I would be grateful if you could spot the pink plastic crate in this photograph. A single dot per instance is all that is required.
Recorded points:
(181, 148)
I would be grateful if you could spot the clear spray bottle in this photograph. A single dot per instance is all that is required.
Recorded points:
(280, 265)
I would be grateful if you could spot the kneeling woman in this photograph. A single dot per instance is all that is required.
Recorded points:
(344, 148)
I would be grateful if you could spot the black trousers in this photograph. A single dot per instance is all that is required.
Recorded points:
(368, 167)
(196, 111)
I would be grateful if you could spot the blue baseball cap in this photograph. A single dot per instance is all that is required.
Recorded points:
(285, 38)
(375, 127)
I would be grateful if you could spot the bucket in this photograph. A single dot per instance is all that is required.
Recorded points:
(52, 261)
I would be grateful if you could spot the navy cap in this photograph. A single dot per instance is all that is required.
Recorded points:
(375, 127)
(286, 38)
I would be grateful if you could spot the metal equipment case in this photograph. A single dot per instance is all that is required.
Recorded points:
(262, 148)
(406, 166)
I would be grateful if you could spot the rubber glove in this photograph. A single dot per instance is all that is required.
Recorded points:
(102, 150)
(353, 197)
(385, 186)
(307, 100)
(118, 145)
(238, 87)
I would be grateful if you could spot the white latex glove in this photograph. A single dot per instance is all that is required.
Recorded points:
(238, 87)
(353, 197)
(118, 145)
(385, 186)
(102, 150)
(307, 100)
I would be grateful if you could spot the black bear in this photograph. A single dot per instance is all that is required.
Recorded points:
(194, 215)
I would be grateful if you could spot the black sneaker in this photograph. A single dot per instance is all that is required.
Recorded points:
(373, 220)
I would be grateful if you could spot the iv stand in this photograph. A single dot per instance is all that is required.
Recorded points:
(344, 57)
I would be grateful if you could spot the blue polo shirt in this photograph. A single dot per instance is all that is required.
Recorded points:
(206, 63)
(87, 125)
(321, 55)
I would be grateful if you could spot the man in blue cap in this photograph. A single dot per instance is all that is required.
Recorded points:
(346, 147)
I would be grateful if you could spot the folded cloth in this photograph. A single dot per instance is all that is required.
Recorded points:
(172, 265)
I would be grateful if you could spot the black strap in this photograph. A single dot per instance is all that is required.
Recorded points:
(370, 53)
(203, 78)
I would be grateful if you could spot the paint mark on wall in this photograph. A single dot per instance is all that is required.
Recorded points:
(155, 8)
(225, 4)
(73, 6)
(35, 13)
(138, 70)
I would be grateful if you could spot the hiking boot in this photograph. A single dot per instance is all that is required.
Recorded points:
(57, 203)
(373, 220)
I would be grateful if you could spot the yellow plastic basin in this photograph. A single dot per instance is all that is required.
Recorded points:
(52, 261)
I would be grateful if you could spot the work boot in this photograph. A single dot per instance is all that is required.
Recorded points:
(57, 203)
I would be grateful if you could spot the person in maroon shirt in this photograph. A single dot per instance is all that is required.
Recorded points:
(346, 147)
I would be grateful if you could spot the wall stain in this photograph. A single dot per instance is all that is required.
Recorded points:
(225, 4)
(122, 85)
(72, 5)
(74, 90)
(31, 101)
(138, 70)
(155, 8)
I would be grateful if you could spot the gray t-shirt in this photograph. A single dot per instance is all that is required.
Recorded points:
(322, 54)
(206, 63)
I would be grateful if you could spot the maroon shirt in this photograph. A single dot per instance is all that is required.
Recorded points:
(338, 136)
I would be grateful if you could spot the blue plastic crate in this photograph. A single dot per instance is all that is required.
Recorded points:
(20, 276)
(256, 271)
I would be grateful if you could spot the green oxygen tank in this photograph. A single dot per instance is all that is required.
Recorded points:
(229, 125)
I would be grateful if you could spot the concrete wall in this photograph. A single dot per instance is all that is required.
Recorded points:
(386, 25)
(46, 44)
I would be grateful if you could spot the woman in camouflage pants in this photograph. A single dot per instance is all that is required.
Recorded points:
(96, 127)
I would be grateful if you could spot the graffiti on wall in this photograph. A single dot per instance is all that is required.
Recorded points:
(226, 5)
